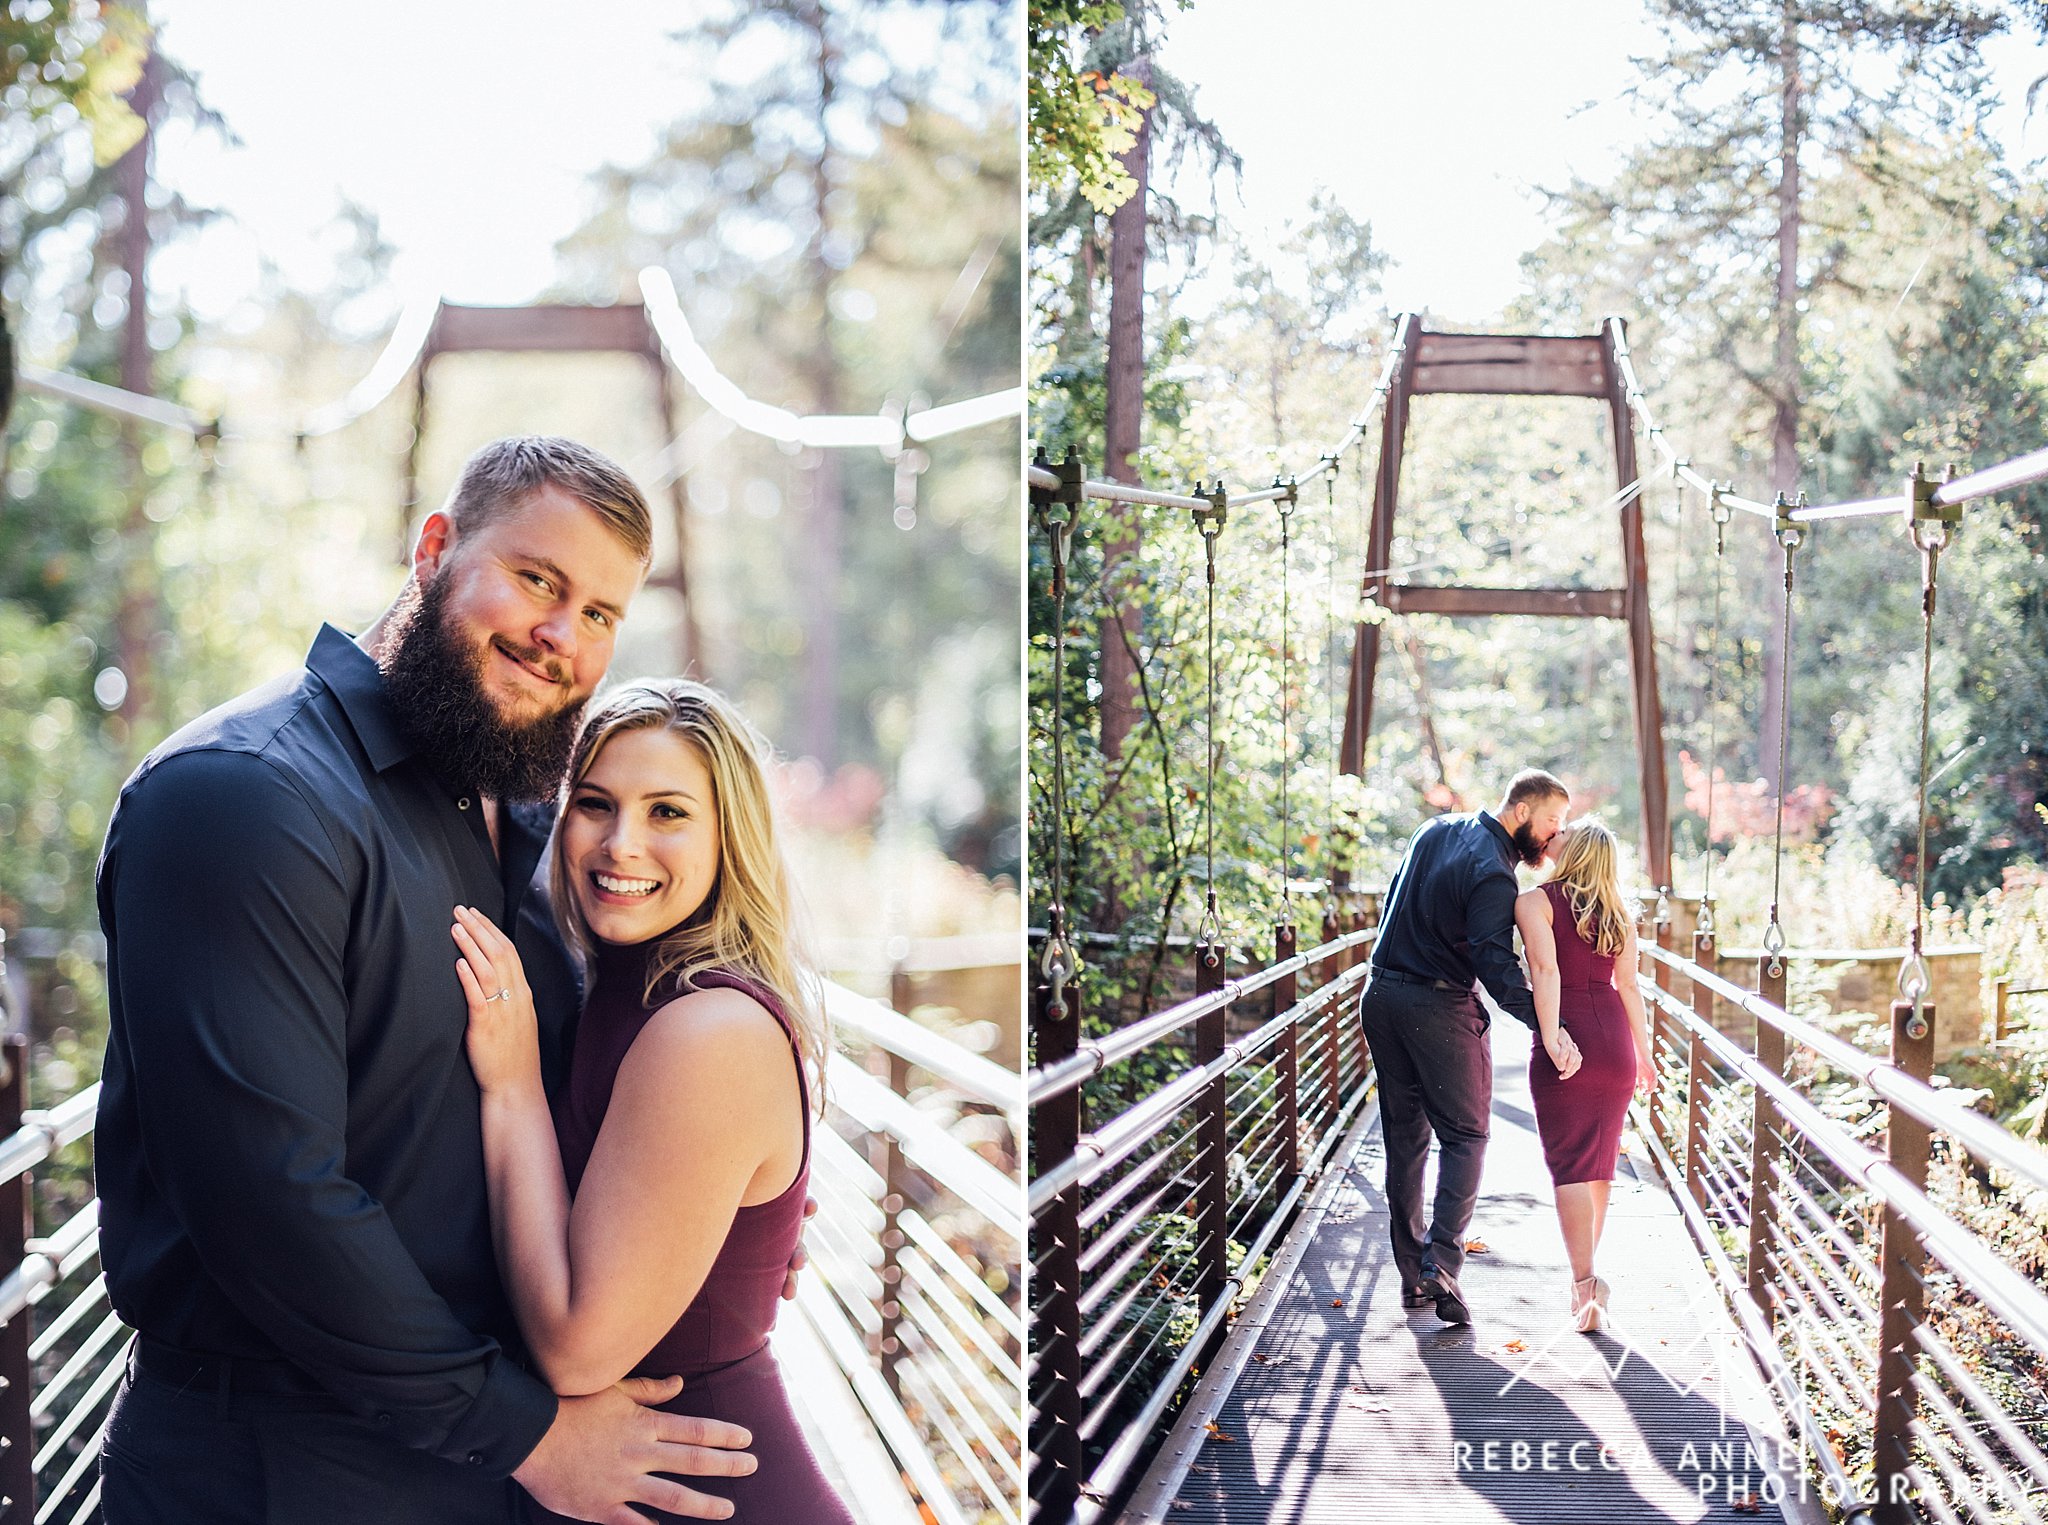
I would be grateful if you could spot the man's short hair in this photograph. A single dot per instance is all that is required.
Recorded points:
(504, 473)
(1534, 786)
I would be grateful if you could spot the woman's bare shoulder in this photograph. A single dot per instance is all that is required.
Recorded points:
(718, 1024)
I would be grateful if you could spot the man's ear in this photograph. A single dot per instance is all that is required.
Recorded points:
(436, 540)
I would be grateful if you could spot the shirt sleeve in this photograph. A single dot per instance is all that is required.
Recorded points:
(1490, 931)
(228, 916)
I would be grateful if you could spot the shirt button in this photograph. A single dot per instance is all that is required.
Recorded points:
(383, 1419)
(476, 1458)
(463, 803)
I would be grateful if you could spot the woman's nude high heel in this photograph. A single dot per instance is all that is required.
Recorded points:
(1589, 1303)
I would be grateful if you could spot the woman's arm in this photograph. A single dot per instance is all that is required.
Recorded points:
(705, 1101)
(1539, 944)
(1638, 1020)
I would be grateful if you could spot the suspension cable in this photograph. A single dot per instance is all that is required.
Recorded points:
(1330, 693)
(1209, 521)
(1720, 513)
(1056, 513)
(1932, 526)
(1788, 532)
(1285, 507)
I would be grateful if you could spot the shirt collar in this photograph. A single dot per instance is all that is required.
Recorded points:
(351, 674)
(1500, 833)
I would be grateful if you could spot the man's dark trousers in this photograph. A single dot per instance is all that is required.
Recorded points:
(1433, 1055)
(182, 1452)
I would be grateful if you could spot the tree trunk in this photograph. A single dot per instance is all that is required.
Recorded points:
(1785, 377)
(827, 508)
(1426, 717)
(1125, 411)
(135, 621)
(6, 365)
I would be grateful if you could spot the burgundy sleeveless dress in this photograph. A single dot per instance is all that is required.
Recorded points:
(1580, 1119)
(719, 1345)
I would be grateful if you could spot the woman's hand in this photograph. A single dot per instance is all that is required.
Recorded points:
(504, 1035)
(1564, 1053)
(1646, 1074)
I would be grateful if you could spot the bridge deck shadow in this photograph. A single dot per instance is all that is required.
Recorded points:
(1352, 1408)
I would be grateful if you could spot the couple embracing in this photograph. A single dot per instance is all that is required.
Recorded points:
(1451, 915)
(463, 1065)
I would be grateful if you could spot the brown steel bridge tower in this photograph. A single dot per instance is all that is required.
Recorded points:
(1518, 365)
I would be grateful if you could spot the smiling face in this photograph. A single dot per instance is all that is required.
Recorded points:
(499, 636)
(639, 836)
(535, 595)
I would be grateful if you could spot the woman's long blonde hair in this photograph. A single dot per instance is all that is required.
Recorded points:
(1588, 866)
(749, 923)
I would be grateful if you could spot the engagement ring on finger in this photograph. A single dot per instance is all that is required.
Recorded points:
(503, 995)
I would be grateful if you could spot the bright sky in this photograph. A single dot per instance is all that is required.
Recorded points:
(1435, 122)
(468, 128)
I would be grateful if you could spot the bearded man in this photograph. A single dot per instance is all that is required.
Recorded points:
(290, 1168)
(1450, 915)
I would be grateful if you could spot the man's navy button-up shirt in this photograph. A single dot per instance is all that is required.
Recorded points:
(1450, 912)
(290, 1152)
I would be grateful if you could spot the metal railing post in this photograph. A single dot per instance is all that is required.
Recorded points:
(1763, 1148)
(1056, 1270)
(1355, 921)
(1696, 1105)
(1288, 1061)
(1902, 1297)
(1333, 1033)
(2001, 1006)
(17, 1435)
(1702, 1010)
(889, 1340)
(1212, 1139)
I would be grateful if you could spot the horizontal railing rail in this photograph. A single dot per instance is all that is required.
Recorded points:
(1859, 1221)
(1147, 1225)
(911, 1304)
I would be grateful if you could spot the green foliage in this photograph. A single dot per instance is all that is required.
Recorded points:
(1083, 119)
(838, 270)
(1922, 312)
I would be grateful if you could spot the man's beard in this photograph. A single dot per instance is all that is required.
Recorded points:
(1526, 846)
(437, 688)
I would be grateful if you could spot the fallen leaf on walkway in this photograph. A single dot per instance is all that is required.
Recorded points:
(1746, 1503)
(1336, 1302)
(1476, 1247)
(1180, 1504)
(1202, 1467)
(1517, 1346)
(1216, 1431)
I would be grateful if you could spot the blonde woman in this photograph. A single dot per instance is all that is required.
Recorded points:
(1580, 943)
(655, 1242)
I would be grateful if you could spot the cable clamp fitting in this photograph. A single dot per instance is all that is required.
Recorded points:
(1788, 530)
(1058, 509)
(1931, 525)
(1209, 521)
(1059, 963)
